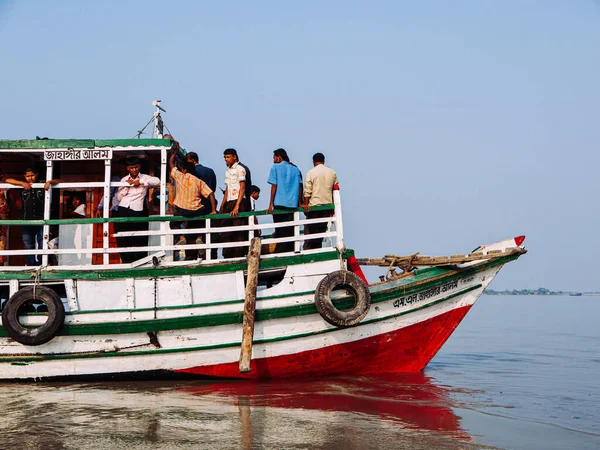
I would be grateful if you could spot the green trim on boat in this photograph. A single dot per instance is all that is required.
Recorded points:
(46, 143)
(174, 308)
(133, 142)
(41, 144)
(23, 360)
(164, 272)
(377, 296)
(219, 319)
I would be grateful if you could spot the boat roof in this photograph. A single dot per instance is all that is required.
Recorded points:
(81, 143)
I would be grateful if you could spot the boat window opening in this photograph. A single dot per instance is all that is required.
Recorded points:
(27, 308)
(4, 294)
(30, 308)
(58, 287)
(268, 278)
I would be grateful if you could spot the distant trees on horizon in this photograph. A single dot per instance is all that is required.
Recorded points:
(538, 291)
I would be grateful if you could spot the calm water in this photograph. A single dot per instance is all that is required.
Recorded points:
(520, 372)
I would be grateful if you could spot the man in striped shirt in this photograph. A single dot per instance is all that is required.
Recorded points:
(188, 199)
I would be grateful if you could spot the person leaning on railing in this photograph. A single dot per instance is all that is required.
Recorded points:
(132, 203)
(318, 190)
(33, 209)
(188, 200)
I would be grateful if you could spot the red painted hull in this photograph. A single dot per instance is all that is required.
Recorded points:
(405, 350)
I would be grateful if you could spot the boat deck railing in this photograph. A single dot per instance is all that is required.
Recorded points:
(164, 236)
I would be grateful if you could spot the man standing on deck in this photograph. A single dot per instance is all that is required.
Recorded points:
(132, 203)
(248, 186)
(191, 190)
(286, 193)
(233, 203)
(207, 175)
(318, 190)
(203, 173)
(254, 195)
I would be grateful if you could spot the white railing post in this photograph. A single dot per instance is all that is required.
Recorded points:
(251, 233)
(296, 233)
(46, 227)
(107, 207)
(163, 195)
(339, 229)
(208, 240)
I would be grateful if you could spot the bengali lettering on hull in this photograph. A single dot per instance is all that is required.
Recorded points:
(71, 154)
(425, 295)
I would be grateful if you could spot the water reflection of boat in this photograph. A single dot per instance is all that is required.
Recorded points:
(411, 400)
(396, 411)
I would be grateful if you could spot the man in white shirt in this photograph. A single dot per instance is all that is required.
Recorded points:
(318, 190)
(132, 203)
(233, 203)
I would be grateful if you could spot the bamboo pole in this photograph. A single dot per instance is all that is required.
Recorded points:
(417, 260)
(250, 305)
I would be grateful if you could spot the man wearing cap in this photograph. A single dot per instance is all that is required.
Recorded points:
(233, 203)
(132, 203)
(318, 190)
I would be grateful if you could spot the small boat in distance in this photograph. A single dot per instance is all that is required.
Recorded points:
(303, 313)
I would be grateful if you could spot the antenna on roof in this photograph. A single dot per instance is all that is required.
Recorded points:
(158, 122)
(159, 125)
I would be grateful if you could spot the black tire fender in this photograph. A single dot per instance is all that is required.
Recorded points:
(351, 282)
(29, 335)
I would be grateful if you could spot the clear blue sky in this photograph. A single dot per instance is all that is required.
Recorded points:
(450, 124)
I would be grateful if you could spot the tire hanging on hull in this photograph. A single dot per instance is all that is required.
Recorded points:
(346, 280)
(29, 335)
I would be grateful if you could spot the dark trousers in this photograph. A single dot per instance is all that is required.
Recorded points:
(190, 238)
(234, 236)
(282, 247)
(315, 228)
(131, 241)
(31, 235)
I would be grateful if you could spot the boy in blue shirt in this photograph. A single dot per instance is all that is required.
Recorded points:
(286, 193)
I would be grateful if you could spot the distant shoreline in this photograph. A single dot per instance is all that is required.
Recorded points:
(539, 291)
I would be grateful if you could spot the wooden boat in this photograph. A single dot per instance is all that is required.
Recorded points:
(297, 314)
